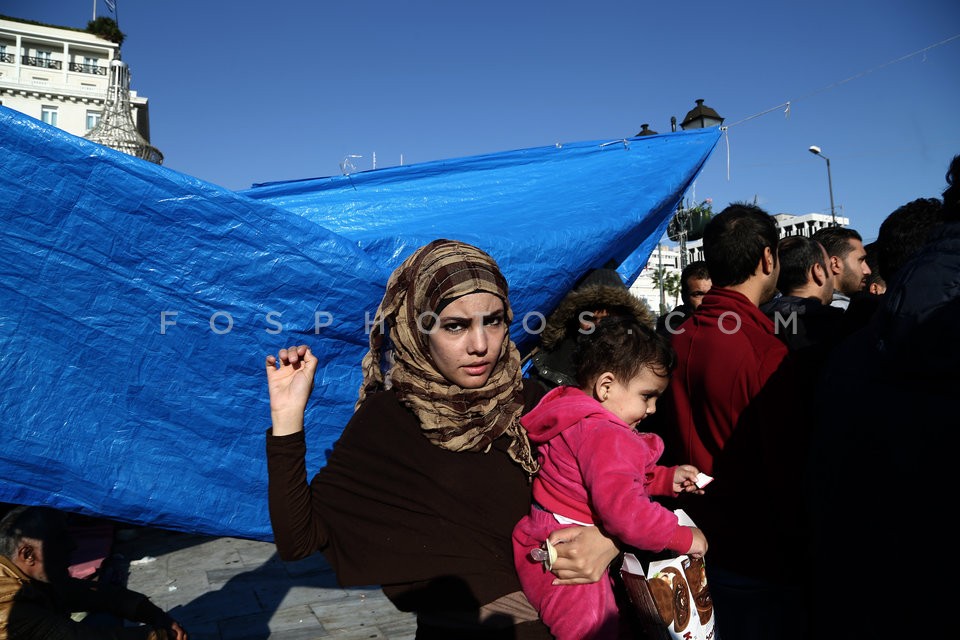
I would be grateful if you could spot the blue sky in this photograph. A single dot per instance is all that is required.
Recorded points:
(244, 92)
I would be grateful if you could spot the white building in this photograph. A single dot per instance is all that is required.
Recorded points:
(644, 287)
(790, 225)
(59, 75)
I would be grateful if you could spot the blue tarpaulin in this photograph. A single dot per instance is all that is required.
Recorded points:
(137, 303)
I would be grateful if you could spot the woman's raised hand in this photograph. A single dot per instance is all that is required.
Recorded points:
(290, 381)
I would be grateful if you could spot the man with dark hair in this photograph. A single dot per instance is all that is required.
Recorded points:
(848, 262)
(802, 315)
(694, 284)
(724, 413)
(37, 594)
(904, 232)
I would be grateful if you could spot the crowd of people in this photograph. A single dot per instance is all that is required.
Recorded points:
(493, 502)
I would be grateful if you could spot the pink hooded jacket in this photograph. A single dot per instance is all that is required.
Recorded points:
(597, 469)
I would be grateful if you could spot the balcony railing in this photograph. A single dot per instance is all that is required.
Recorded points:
(96, 70)
(6, 57)
(45, 63)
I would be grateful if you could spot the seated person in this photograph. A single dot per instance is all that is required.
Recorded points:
(37, 594)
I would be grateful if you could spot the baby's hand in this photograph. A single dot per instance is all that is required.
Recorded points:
(685, 479)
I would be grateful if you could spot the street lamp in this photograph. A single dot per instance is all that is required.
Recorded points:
(700, 117)
(815, 150)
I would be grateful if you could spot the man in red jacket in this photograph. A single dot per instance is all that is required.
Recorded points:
(728, 414)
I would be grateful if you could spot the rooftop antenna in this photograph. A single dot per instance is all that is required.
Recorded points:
(347, 167)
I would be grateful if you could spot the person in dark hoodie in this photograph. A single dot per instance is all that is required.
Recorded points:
(900, 378)
(599, 294)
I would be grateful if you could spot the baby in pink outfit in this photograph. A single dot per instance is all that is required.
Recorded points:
(596, 469)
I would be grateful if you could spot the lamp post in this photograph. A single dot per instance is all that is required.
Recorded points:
(700, 117)
(663, 300)
(815, 150)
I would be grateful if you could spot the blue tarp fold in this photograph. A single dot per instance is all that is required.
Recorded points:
(137, 303)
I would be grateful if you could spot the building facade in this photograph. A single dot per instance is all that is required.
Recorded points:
(60, 76)
(645, 286)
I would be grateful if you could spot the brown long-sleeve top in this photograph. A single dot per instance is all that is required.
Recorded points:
(431, 526)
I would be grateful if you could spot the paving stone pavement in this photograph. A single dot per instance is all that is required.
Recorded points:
(235, 589)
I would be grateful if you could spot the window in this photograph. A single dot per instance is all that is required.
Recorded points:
(90, 65)
(49, 115)
(44, 58)
(93, 119)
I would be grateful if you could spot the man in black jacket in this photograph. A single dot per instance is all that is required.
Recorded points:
(801, 314)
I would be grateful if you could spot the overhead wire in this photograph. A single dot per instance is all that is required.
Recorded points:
(786, 105)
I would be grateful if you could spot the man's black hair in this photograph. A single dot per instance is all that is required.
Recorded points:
(798, 255)
(904, 232)
(836, 240)
(951, 195)
(734, 243)
(696, 270)
(40, 523)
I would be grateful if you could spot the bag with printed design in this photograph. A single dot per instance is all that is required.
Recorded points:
(671, 598)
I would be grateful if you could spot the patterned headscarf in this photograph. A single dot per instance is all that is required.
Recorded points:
(451, 417)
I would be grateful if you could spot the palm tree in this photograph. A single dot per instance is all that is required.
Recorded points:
(670, 282)
(672, 286)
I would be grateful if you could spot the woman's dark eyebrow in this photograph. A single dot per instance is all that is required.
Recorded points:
(482, 316)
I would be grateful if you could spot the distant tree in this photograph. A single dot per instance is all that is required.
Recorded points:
(670, 281)
(672, 286)
(106, 28)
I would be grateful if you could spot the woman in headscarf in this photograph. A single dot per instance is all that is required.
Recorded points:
(422, 490)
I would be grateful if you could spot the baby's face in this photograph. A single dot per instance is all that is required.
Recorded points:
(637, 399)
